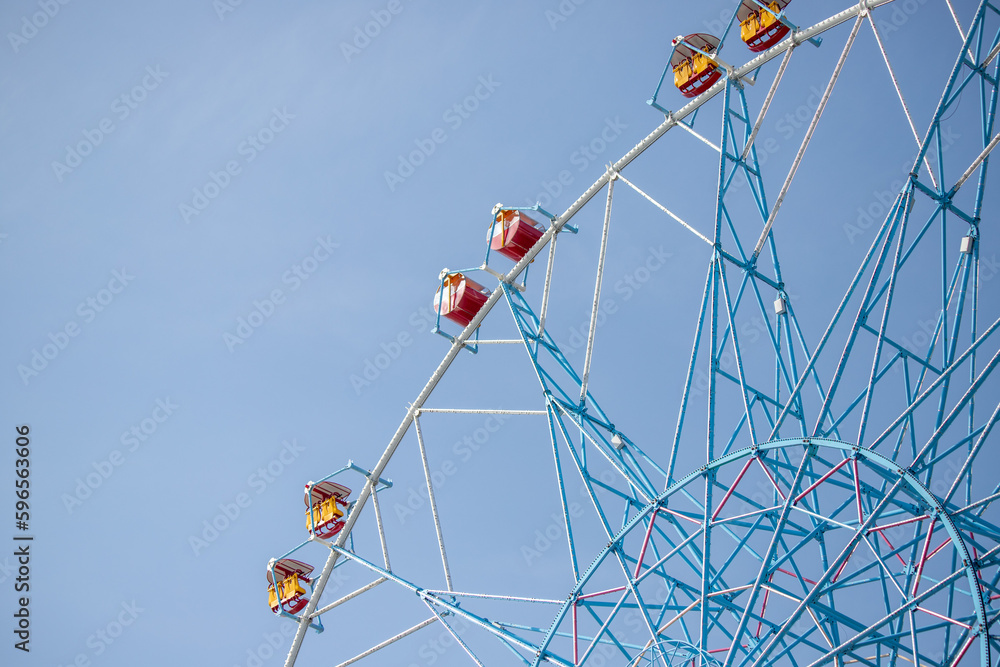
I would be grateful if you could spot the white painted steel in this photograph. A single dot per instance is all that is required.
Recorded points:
(767, 102)
(691, 130)
(556, 226)
(975, 163)
(808, 137)
(548, 285)
(597, 290)
(665, 210)
(349, 596)
(906, 109)
(391, 640)
(434, 508)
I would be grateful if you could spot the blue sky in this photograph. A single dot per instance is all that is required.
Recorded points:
(222, 228)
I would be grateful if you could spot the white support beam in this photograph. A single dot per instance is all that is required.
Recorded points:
(391, 640)
(588, 357)
(767, 103)
(434, 508)
(809, 134)
(975, 163)
(899, 92)
(349, 596)
(665, 210)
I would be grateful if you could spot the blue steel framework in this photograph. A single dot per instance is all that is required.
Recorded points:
(812, 533)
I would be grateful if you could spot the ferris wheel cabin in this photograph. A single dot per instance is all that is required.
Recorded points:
(694, 71)
(459, 298)
(325, 518)
(760, 28)
(291, 574)
(514, 234)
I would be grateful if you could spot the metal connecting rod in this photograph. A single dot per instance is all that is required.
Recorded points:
(767, 103)
(460, 341)
(434, 507)
(391, 640)
(597, 291)
(906, 108)
(666, 210)
(975, 163)
(808, 137)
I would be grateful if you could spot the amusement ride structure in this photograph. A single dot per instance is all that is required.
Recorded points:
(841, 504)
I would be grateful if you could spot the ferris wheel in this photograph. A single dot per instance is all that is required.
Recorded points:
(821, 497)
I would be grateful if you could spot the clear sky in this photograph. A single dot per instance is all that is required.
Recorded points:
(221, 226)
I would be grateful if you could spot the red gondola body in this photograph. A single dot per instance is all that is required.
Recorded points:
(289, 592)
(459, 298)
(694, 72)
(514, 234)
(760, 29)
(325, 518)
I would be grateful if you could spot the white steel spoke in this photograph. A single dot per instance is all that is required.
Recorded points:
(975, 163)
(665, 210)
(453, 633)
(989, 58)
(387, 642)
(548, 285)
(693, 133)
(808, 137)
(349, 596)
(902, 100)
(954, 16)
(430, 494)
(381, 531)
(504, 598)
(597, 289)
(464, 411)
(767, 102)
